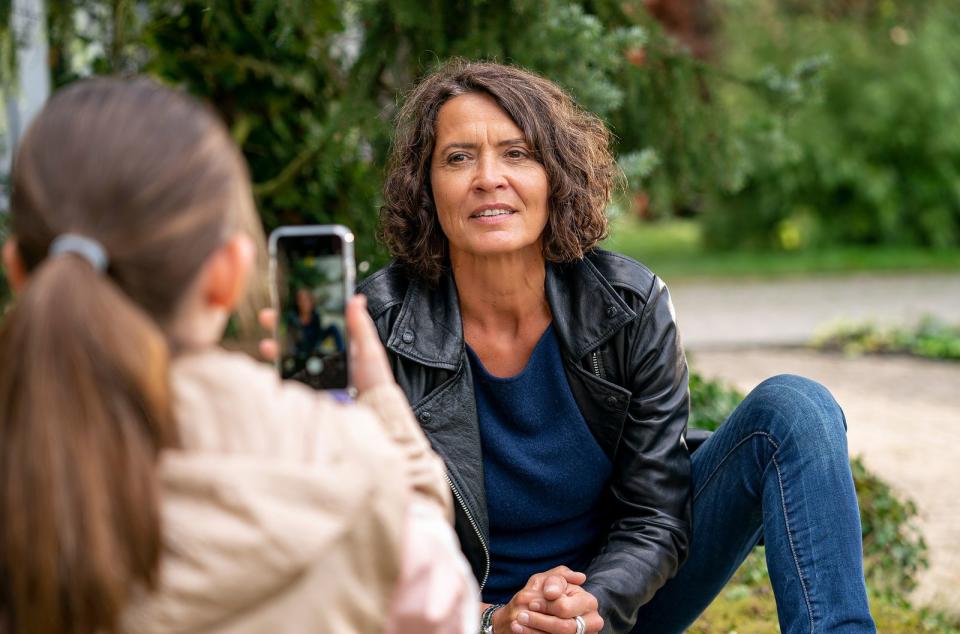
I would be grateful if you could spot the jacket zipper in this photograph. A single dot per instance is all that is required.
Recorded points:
(595, 358)
(476, 529)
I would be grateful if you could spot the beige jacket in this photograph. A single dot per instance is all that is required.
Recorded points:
(286, 512)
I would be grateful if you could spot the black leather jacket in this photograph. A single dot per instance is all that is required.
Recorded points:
(625, 366)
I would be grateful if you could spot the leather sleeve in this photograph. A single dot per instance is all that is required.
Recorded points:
(651, 487)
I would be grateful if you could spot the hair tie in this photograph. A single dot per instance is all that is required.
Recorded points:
(87, 248)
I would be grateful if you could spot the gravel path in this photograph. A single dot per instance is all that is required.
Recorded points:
(789, 312)
(903, 414)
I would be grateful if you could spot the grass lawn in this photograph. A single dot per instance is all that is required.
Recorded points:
(674, 250)
(744, 610)
(746, 606)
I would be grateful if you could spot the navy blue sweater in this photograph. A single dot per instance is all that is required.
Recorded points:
(542, 469)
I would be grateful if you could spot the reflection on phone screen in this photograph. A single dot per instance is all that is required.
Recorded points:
(311, 329)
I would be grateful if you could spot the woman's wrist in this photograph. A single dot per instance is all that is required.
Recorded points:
(486, 619)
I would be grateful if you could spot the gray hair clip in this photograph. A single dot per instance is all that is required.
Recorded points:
(87, 248)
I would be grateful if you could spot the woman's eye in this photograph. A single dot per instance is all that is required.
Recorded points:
(517, 154)
(458, 157)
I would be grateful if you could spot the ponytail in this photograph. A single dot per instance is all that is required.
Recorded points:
(152, 177)
(85, 409)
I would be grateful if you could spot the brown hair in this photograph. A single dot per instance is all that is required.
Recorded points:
(85, 404)
(572, 144)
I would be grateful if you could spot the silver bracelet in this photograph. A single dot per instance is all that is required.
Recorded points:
(486, 619)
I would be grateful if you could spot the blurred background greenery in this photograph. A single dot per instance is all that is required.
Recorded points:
(825, 128)
(758, 137)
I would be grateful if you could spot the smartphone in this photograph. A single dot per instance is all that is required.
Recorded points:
(312, 274)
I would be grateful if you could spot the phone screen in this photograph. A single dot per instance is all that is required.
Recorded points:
(312, 281)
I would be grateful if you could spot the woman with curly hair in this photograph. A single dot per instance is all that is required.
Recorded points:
(550, 376)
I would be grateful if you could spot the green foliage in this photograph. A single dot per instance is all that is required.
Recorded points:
(868, 153)
(309, 87)
(931, 338)
(812, 124)
(557, 38)
(278, 75)
(669, 116)
(677, 112)
(893, 548)
(8, 47)
(92, 36)
(711, 401)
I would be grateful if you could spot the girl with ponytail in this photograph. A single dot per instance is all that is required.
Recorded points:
(152, 482)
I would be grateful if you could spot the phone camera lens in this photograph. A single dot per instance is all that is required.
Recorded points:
(314, 365)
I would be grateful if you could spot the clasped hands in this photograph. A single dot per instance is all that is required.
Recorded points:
(549, 604)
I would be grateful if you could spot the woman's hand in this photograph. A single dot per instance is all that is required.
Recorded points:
(557, 616)
(368, 360)
(505, 619)
(548, 604)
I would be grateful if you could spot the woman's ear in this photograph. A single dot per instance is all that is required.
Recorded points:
(226, 272)
(13, 266)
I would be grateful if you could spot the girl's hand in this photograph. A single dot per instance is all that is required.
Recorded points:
(368, 360)
(269, 349)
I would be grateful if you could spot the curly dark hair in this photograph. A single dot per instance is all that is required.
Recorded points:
(572, 145)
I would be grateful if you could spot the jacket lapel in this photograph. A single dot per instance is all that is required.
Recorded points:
(429, 329)
(587, 311)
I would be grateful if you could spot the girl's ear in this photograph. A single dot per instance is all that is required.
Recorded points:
(13, 266)
(227, 271)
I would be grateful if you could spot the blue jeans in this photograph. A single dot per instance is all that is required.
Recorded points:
(778, 467)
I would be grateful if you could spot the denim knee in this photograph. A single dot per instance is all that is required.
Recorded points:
(806, 412)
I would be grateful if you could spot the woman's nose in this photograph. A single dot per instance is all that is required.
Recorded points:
(489, 175)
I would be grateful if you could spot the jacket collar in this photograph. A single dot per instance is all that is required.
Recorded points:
(429, 329)
(586, 312)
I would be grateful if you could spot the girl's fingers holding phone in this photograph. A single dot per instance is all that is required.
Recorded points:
(367, 357)
(267, 318)
(269, 349)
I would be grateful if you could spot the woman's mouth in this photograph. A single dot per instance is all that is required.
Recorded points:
(492, 213)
